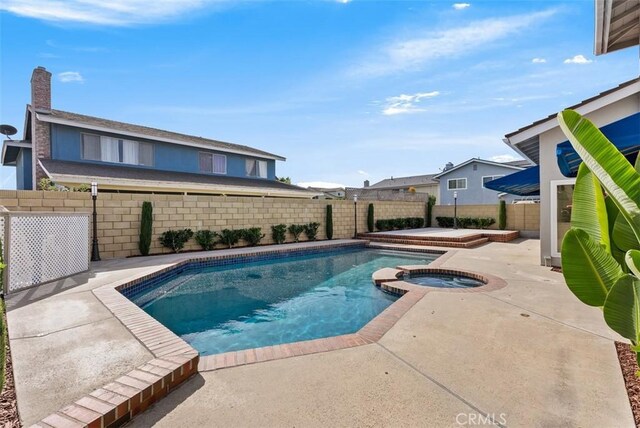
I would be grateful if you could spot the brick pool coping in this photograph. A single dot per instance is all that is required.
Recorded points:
(175, 361)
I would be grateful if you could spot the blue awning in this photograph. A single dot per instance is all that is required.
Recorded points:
(625, 134)
(522, 183)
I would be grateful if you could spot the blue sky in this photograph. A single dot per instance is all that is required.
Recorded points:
(346, 90)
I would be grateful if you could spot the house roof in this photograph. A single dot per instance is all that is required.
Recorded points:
(478, 160)
(617, 25)
(401, 182)
(133, 178)
(106, 125)
(525, 140)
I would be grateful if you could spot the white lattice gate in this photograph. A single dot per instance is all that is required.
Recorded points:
(42, 247)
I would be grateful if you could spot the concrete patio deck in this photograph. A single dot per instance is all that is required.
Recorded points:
(528, 354)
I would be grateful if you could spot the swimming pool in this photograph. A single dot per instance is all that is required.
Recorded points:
(240, 306)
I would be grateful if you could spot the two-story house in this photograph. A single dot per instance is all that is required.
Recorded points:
(468, 181)
(72, 149)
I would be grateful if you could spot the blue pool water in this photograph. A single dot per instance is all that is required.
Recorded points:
(270, 302)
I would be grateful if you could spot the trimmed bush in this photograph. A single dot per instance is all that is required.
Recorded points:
(146, 228)
(430, 203)
(175, 239)
(400, 223)
(296, 230)
(502, 216)
(252, 236)
(329, 222)
(206, 239)
(229, 237)
(466, 222)
(311, 230)
(279, 233)
(370, 222)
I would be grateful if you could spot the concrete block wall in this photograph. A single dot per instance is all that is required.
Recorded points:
(119, 214)
(521, 217)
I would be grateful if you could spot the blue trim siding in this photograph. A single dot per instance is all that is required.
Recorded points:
(24, 171)
(66, 144)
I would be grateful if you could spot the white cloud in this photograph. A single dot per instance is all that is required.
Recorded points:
(538, 60)
(412, 54)
(406, 103)
(361, 172)
(461, 6)
(504, 158)
(320, 184)
(343, 1)
(578, 59)
(70, 77)
(112, 12)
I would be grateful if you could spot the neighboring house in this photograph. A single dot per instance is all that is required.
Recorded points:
(72, 149)
(421, 184)
(325, 193)
(468, 180)
(616, 112)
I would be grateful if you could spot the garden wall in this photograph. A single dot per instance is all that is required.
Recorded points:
(522, 217)
(119, 214)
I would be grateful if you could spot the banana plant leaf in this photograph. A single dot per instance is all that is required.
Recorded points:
(632, 258)
(615, 173)
(588, 269)
(612, 214)
(622, 307)
(589, 211)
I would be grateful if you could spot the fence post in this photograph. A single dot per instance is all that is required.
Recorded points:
(6, 256)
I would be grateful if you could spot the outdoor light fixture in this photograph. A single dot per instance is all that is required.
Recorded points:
(455, 210)
(355, 216)
(95, 252)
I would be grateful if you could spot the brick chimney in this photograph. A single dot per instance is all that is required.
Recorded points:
(40, 131)
(366, 183)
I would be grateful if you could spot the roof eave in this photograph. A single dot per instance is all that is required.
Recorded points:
(467, 162)
(52, 119)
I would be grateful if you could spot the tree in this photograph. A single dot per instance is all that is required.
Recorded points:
(284, 179)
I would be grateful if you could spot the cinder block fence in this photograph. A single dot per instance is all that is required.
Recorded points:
(119, 214)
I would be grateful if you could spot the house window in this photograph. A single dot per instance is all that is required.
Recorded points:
(213, 164)
(457, 184)
(489, 178)
(256, 168)
(116, 150)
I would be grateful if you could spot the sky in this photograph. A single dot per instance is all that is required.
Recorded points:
(346, 90)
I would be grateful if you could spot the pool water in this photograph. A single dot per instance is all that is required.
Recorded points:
(242, 306)
(443, 281)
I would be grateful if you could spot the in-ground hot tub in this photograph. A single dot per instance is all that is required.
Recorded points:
(442, 280)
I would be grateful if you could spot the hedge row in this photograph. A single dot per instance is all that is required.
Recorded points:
(466, 222)
(208, 239)
(400, 223)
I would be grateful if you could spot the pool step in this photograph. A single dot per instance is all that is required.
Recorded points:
(430, 243)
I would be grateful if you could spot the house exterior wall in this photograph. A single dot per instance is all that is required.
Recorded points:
(475, 193)
(24, 174)
(119, 215)
(66, 144)
(550, 171)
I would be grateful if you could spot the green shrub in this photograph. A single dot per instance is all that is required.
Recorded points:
(296, 230)
(466, 222)
(502, 216)
(399, 223)
(311, 230)
(175, 239)
(370, 222)
(229, 237)
(252, 236)
(206, 239)
(329, 221)
(279, 233)
(146, 228)
(431, 201)
(485, 222)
